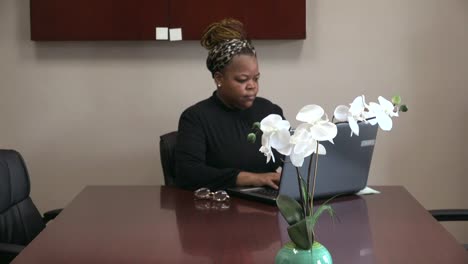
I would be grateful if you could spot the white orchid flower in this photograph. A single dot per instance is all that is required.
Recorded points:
(356, 113)
(266, 149)
(359, 111)
(358, 106)
(383, 113)
(272, 123)
(275, 135)
(341, 113)
(369, 116)
(383, 119)
(387, 107)
(303, 144)
(310, 114)
(353, 114)
(319, 127)
(281, 142)
(355, 110)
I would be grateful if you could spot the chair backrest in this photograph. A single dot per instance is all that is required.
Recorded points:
(20, 221)
(167, 145)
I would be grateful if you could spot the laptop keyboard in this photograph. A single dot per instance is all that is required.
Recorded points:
(267, 192)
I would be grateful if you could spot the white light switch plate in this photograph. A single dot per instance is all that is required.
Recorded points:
(175, 34)
(162, 33)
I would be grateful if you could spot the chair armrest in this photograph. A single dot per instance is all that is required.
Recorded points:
(49, 215)
(450, 214)
(9, 251)
(10, 248)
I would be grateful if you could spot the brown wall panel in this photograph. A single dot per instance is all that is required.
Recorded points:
(97, 19)
(264, 19)
(137, 19)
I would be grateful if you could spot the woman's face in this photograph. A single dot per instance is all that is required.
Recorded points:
(238, 84)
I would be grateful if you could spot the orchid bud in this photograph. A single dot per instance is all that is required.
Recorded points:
(403, 108)
(256, 125)
(251, 138)
(396, 100)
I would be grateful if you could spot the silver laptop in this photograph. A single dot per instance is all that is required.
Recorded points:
(343, 170)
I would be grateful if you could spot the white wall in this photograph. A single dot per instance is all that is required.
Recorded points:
(91, 112)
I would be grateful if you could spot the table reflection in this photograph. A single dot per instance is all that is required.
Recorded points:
(348, 236)
(212, 205)
(231, 230)
(148, 224)
(223, 230)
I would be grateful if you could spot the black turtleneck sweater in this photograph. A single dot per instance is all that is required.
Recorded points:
(212, 145)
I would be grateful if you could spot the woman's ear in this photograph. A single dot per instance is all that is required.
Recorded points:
(218, 77)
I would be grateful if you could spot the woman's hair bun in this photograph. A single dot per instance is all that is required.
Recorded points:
(221, 31)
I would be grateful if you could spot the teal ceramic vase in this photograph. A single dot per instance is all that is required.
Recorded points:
(289, 254)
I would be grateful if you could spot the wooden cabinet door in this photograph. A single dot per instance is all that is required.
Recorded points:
(263, 19)
(97, 19)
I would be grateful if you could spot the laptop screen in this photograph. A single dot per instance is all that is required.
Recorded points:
(343, 170)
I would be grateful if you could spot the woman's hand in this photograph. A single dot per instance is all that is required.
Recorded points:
(270, 179)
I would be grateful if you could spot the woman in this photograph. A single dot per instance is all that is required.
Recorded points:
(212, 149)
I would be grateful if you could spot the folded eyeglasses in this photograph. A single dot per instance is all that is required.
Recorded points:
(207, 194)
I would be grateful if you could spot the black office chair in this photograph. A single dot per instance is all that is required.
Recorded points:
(450, 215)
(20, 221)
(167, 145)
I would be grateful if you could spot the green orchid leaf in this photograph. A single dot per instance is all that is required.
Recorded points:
(298, 235)
(315, 216)
(396, 100)
(310, 229)
(305, 195)
(290, 209)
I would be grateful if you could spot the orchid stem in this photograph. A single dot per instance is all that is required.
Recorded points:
(308, 212)
(315, 177)
(303, 202)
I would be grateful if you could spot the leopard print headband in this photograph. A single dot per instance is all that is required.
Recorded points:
(221, 55)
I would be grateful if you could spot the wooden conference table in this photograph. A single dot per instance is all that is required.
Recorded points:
(153, 224)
